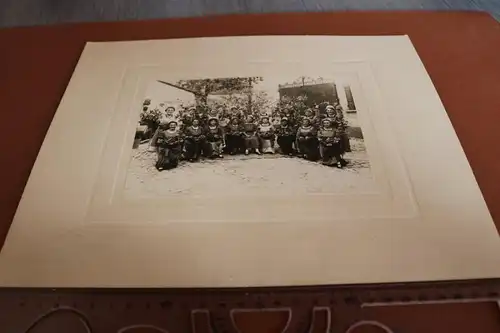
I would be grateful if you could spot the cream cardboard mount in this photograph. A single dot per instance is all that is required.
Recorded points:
(75, 227)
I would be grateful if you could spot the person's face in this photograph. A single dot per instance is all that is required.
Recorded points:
(170, 110)
(196, 122)
(265, 121)
(234, 121)
(327, 123)
(309, 113)
(284, 122)
(306, 122)
(250, 119)
(172, 126)
(212, 122)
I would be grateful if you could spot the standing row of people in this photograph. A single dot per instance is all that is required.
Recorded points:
(312, 138)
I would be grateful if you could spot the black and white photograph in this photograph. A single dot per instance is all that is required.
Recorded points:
(255, 161)
(248, 135)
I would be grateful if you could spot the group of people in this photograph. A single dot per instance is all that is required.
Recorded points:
(213, 134)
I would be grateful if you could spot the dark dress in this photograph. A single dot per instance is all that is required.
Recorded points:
(308, 143)
(329, 146)
(195, 141)
(250, 136)
(186, 121)
(169, 147)
(341, 124)
(286, 137)
(215, 138)
(203, 119)
(234, 138)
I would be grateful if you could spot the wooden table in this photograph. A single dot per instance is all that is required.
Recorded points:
(461, 53)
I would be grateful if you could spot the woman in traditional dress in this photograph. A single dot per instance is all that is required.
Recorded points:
(234, 112)
(293, 118)
(186, 119)
(309, 114)
(329, 144)
(250, 136)
(234, 137)
(169, 115)
(215, 113)
(286, 136)
(345, 145)
(307, 140)
(266, 135)
(170, 112)
(168, 145)
(276, 121)
(195, 141)
(331, 113)
(215, 139)
(224, 119)
(202, 115)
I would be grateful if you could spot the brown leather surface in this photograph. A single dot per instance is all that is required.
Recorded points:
(461, 51)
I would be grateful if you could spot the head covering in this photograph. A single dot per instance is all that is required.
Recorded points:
(330, 109)
(213, 113)
(213, 118)
(170, 110)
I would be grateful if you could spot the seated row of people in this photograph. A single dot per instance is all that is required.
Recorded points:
(328, 142)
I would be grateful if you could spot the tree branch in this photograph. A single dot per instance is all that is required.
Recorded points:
(181, 88)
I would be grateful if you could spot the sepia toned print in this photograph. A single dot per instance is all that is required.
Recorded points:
(248, 135)
(103, 214)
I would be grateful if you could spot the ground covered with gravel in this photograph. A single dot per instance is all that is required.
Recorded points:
(251, 174)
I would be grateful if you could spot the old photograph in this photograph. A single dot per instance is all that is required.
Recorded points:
(248, 135)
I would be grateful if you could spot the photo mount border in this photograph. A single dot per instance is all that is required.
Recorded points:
(108, 203)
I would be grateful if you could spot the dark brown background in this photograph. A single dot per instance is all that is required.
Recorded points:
(461, 51)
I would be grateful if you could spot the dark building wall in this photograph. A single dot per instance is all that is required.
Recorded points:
(316, 93)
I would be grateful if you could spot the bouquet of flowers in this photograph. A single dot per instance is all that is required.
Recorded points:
(172, 141)
(151, 117)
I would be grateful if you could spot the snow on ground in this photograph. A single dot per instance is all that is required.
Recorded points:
(239, 175)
